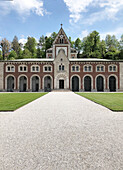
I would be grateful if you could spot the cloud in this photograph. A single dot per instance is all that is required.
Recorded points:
(83, 34)
(23, 40)
(117, 32)
(23, 7)
(48, 34)
(107, 9)
(76, 7)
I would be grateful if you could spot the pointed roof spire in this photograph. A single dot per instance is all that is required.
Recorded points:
(61, 31)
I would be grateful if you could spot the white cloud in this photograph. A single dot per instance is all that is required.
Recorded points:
(107, 9)
(76, 7)
(83, 34)
(117, 32)
(23, 7)
(23, 40)
(48, 34)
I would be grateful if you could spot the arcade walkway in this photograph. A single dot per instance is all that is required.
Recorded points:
(61, 131)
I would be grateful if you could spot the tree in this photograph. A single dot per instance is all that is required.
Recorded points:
(1, 55)
(102, 48)
(53, 36)
(91, 45)
(41, 50)
(121, 47)
(71, 42)
(6, 46)
(78, 46)
(108, 41)
(112, 46)
(12, 55)
(121, 43)
(16, 45)
(31, 46)
(27, 53)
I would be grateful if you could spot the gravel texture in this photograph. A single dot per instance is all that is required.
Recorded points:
(61, 131)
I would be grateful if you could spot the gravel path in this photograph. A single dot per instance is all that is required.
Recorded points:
(61, 131)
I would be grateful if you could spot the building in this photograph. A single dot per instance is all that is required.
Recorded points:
(61, 69)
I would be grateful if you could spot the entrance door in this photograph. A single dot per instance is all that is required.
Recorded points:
(87, 83)
(75, 83)
(10, 84)
(47, 84)
(61, 84)
(112, 83)
(100, 83)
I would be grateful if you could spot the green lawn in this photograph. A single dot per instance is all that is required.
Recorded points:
(12, 101)
(113, 101)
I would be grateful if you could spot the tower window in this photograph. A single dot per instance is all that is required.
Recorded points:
(61, 41)
(61, 67)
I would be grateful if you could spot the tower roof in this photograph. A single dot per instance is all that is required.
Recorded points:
(60, 34)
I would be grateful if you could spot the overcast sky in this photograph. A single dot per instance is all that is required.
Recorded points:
(42, 17)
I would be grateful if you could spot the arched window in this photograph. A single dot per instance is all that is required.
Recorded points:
(61, 40)
(10, 68)
(75, 68)
(22, 68)
(61, 67)
(87, 68)
(100, 68)
(47, 68)
(112, 68)
(35, 68)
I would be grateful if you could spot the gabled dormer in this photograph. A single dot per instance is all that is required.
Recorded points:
(61, 37)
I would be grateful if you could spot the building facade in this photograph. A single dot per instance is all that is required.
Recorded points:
(61, 69)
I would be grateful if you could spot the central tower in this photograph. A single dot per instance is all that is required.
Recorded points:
(61, 55)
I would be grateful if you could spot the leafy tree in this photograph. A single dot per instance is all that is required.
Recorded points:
(12, 55)
(31, 46)
(41, 49)
(26, 53)
(71, 42)
(91, 45)
(16, 45)
(121, 43)
(78, 46)
(108, 41)
(20, 54)
(6, 46)
(53, 36)
(102, 47)
(112, 46)
(1, 55)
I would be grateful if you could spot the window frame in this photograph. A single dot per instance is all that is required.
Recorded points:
(46, 68)
(35, 68)
(86, 68)
(75, 68)
(10, 68)
(23, 68)
(112, 66)
(100, 66)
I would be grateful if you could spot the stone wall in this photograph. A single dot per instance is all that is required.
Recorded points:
(121, 76)
(1, 75)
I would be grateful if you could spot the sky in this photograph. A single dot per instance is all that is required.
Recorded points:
(35, 18)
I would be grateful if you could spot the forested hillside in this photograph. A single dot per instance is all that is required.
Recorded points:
(90, 47)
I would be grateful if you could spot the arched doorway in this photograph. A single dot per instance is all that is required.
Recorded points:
(100, 83)
(87, 83)
(22, 84)
(112, 83)
(47, 84)
(75, 83)
(10, 84)
(35, 84)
